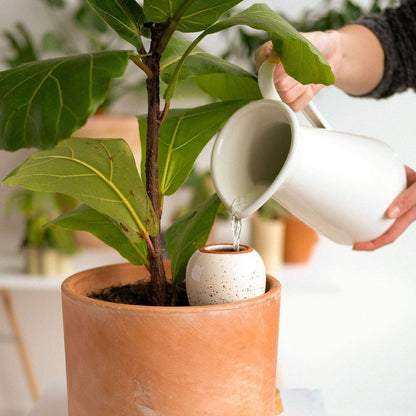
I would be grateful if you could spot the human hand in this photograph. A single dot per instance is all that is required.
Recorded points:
(402, 209)
(292, 92)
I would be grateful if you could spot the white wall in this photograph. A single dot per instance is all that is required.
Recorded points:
(316, 304)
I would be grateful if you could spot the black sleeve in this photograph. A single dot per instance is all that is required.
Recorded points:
(396, 30)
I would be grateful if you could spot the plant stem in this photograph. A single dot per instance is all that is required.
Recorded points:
(172, 23)
(136, 59)
(163, 115)
(158, 283)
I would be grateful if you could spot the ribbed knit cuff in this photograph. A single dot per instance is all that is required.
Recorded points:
(396, 30)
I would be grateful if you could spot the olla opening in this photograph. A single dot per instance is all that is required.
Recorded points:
(225, 248)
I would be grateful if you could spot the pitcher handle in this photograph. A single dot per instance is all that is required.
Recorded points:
(268, 91)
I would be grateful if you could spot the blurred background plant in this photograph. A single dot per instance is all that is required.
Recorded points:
(271, 210)
(37, 209)
(200, 187)
(63, 39)
(267, 234)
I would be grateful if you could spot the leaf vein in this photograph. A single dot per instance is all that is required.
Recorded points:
(112, 186)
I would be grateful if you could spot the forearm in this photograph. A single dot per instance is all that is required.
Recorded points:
(360, 65)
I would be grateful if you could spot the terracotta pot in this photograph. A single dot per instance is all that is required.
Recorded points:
(300, 241)
(167, 361)
(268, 238)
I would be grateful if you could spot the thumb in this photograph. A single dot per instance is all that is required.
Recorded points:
(263, 53)
(274, 58)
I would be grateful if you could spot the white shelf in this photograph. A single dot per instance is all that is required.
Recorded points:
(12, 276)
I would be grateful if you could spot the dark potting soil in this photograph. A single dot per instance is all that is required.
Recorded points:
(139, 294)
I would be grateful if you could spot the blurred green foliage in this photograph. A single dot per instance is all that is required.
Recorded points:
(37, 209)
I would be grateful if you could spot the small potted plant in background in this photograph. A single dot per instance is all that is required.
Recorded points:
(151, 357)
(300, 241)
(47, 250)
(280, 237)
(267, 234)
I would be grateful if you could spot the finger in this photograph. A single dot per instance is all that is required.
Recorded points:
(410, 174)
(263, 53)
(302, 100)
(279, 74)
(274, 58)
(292, 94)
(364, 246)
(399, 226)
(288, 88)
(405, 201)
(286, 83)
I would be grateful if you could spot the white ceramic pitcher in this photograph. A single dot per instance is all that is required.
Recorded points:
(338, 183)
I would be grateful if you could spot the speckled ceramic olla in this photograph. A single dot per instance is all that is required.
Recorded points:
(217, 274)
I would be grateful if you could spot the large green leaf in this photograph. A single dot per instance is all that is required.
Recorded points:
(215, 76)
(125, 17)
(229, 87)
(199, 62)
(193, 15)
(44, 102)
(188, 234)
(182, 137)
(306, 63)
(106, 229)
(101, 173)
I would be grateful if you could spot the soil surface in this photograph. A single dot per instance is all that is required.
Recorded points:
(139, 294)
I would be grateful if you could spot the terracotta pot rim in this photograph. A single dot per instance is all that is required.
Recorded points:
(273, 289)
(221, 248)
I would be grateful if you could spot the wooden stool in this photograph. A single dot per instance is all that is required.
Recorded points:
(278, 403)
(18, 336)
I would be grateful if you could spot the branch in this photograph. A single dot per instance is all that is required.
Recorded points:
(164, 113)
(172, 23)
(138, 61)
(150, 245)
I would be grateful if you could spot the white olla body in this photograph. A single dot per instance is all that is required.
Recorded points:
(217, 274)
(338, 183)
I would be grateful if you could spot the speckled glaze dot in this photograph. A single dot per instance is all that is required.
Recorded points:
(216, 274)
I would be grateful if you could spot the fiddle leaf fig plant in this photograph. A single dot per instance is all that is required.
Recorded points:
(42, 103)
